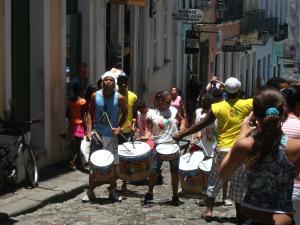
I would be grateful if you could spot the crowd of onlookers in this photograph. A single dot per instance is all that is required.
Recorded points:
(254, 142)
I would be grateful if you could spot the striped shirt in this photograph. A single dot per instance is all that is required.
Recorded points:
(291, 127)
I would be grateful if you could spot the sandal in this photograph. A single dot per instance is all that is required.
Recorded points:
(227, 202)
(205, 216)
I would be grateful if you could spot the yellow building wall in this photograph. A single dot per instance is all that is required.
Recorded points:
(2, 65)
(56, 95)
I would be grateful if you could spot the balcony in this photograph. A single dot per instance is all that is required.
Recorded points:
(253, 21)
(282, 32)
(271, 25)
(234, 10)
(200, 4)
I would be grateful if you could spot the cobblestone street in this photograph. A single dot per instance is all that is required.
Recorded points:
(129, 211)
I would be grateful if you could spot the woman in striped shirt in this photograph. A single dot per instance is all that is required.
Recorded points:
(291, 127)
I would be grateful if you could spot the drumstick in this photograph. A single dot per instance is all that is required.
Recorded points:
(190, 157)
(131, 136)
(99, 138)
(126, 147)
(111, 127)
(203, 148)
(202, 164)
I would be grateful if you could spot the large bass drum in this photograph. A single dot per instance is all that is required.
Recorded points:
(193, 171)
(134, 161)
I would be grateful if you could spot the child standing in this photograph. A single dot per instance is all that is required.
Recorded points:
(141, 117)
(75, 113)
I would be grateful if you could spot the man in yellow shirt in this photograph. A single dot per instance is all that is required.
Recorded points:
(230, 114)
(130, 99)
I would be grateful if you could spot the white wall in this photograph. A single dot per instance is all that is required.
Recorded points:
(37, 71)
(262, 53)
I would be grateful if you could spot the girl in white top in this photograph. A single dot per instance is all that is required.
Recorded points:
(206, 138)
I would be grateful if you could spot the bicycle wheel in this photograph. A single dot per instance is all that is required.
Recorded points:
(30, 167)
(1, 183)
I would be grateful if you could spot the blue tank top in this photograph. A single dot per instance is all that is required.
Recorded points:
(110, 106)
(270, 184)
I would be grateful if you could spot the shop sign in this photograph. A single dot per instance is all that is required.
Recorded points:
(189, 15)
(236, 48)
(249, 38)
(191, 42)
(130, 2)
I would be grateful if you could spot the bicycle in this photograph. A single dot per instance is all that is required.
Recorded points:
(9, 159)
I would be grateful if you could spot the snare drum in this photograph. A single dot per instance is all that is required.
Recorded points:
(193, 171)
(85, 147)
(102, 164)
(134, 161)
(167, 152)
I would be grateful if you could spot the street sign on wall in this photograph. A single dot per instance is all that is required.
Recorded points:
(236, 48)
(188, 15)
(130, 2)
(191, 42)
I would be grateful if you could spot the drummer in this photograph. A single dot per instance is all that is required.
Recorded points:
(103, 115)
(229, 114)
(130, 101)
(161, 124)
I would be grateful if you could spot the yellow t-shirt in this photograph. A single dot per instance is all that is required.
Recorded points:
(130, 99)
(230, 114)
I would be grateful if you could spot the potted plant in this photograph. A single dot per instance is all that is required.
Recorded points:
(12, 121)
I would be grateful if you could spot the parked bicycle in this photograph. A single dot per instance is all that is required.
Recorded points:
(9, 159)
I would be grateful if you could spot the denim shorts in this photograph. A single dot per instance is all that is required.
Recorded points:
(251, 222)
(156, 164)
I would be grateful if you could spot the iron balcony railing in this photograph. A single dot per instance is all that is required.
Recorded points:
(271, 25)
(282, 32)
(253, 21)
(234, 10)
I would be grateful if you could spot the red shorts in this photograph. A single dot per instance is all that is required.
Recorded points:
(77, 130)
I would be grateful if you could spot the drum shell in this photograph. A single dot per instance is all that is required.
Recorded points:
(168, 156)
(104, 172)
(134, 168)
(193, 181)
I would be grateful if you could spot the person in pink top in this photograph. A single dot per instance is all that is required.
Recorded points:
(141, 121)
(291, 127)
(75, 112)
(177, 102)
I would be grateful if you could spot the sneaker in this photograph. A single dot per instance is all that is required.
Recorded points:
(176, 201)
(72, 166)
(90, 196)
(148, 197)
(159, 179)
(227, 202)
(114, 196)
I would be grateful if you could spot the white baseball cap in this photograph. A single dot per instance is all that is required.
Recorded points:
(232, 85)
(108, 74)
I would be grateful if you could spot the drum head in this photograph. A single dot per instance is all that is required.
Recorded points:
(102, 158)
(191, 161)
(85, 146)
(166, 149)
(205, 165)
(138, 148)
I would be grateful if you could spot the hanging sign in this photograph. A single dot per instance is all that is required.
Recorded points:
(130, 2)
(191, 42)
(236, 48)
(189, 15)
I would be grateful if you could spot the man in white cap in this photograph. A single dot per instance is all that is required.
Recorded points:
(130, 101)
(230, 114)
(106, 115)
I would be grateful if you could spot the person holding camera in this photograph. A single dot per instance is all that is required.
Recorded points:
(214, 83)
